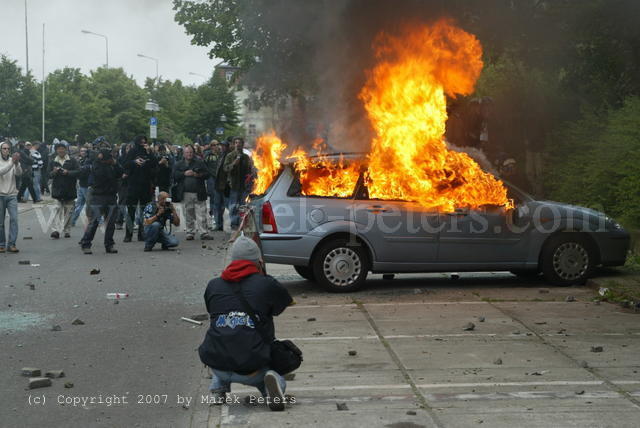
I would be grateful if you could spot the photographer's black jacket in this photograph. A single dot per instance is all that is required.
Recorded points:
(230, 344)
(140, 178)
(63, 187)
(196, 165)
(105, 178)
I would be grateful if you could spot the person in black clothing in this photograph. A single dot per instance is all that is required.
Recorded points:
(123, 184)
(140, 166)
(232, 347)
(26, 179)
(165, 167)
(105, 173)
(64, 171)
(190, 175)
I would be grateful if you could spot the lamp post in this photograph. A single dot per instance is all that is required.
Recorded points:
(157, 61)
(106, 40)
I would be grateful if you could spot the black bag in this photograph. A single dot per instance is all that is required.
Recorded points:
(285, 355)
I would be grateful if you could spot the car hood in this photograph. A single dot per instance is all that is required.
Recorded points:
(568, 208)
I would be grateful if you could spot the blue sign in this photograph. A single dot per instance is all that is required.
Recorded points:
(220, 131)
(153, 121)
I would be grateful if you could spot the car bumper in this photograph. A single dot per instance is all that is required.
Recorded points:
(614, 246)
(288, 249)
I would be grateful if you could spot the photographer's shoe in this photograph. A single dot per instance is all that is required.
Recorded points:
(87, 250)
(275, 396)
(55, 235)
(147, 249)
(67, 235)
(189, 238)
(13, 249)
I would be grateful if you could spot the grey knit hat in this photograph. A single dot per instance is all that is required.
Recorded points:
(245, 249)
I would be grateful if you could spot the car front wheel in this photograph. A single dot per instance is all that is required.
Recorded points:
(340, 266)
(567, 259)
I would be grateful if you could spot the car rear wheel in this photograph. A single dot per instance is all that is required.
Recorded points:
(567, 259)
(341, 266)
(306, 272)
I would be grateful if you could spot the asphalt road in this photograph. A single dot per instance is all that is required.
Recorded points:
(414, 364)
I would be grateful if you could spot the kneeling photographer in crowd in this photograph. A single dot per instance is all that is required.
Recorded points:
(240, 343)
(105, 173)
(156, 216)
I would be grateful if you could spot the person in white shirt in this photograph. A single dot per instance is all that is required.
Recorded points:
(9, 169)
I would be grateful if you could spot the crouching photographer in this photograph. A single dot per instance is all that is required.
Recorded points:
(156, 217)
(240, 345)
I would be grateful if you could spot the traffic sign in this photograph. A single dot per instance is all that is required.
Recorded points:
(220, 131)
(153, 121)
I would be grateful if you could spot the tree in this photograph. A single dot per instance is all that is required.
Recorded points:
(211, 101)
(19, 102)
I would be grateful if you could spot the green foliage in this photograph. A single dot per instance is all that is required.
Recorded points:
(211, 100)
(19, 102)
(594, 162)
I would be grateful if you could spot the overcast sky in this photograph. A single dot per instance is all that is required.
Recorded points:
(132, 27)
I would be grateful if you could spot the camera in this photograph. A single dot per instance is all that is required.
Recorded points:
(167, 203)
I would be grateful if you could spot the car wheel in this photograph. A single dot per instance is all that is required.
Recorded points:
(340, 266)
(525, 273)
(567, 259)
(306, 272)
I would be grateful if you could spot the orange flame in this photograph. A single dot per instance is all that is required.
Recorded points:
(405, 100)
(266, 160)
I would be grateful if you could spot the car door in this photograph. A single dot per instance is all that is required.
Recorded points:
(482, 237)
(399, 232)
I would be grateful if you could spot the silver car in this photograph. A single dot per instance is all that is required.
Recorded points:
(338, 241)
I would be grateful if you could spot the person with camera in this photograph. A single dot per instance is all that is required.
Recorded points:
(64, 171)
(105, 173)
(239, 169)
(190, 176)
(140, 166)
(156, 216)
(165, 167)
(235, 348)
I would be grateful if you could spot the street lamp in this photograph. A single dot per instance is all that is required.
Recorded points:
(105, 39)
(157, 61)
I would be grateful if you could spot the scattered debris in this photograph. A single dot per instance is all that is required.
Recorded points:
(56, 328)
(497, 361)
(200, 317)
(24, 262)
(77, 321)
(411, 412)
(31, 372)
(39, 382)
(579, 392)
(68, 385)
(584, 364)
(27, 237)
(353, 353)
(469, 326)
(543, 291)
(311, 319)
(94, 271)
(480, 319)
(289, 376)
(185, 406)
(537, 373)
(342, 406)
(31, 286)
(117, 296)
(540, 322)
(562, 330)
(597, 349)
(189, 320)
(603, 291)
(35, 264)
(570, 299)
(317, 333)
(54, 374)
(204, 246)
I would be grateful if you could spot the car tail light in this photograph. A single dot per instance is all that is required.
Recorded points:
(268, 219)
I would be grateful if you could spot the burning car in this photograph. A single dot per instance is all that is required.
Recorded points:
(412, 203)
(336, 240)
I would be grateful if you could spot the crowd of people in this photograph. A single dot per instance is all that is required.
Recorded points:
(131, 186)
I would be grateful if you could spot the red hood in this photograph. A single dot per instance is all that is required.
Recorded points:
(239, 269)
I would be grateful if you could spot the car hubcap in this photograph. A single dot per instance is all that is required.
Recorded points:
(342, 266)
(570, 261)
